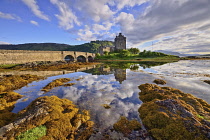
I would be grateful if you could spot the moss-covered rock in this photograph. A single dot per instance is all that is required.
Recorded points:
(50, 65)
(8, 98)
(169, 113)
(60, 116)
(106, 106)
(13, 82)
(56, 83)
(159, 81)
(69, 84)
(125, 126)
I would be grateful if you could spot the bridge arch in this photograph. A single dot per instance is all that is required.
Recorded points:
(90, 59)
(69, 58)
(81, 58)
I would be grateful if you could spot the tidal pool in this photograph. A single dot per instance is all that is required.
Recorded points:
(116, 84)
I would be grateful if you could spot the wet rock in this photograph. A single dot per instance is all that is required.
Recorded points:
(125, 126)
(51, 65)
(106, 106)
(56, 83)
(174, 107)
(61, 118)
(8, 98)
(207, 81)
(169, 113)
(159, 81)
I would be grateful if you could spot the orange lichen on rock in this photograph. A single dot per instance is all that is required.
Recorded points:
(169, 113)
(60, 116)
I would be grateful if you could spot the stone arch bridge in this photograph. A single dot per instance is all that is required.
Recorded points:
(24, 56)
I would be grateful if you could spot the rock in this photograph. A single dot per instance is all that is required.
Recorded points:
(207, 81)
(61, 118)
(159, 81)
(56, 83)
(106, 106)
(125, 126)
(169, 113)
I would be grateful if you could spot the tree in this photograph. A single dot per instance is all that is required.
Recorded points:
(95, 47)
(106, 53)
(98, 54)
(124, 53)
(134, 50)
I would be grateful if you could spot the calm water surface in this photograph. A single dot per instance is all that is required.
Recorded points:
(117, 85)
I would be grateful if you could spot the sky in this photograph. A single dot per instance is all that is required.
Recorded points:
(174, 25)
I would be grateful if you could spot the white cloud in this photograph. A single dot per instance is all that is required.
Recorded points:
(175, 18)
(32, 4)
(34, 22)
(10, 16)
(96, 10)
(67, 18)
(86, 34)
(129, 3)
(126, 21)
(4, 43)
(139, 20)
(102, 27)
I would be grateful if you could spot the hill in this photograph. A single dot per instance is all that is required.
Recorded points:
(171, 53)
(91, 47)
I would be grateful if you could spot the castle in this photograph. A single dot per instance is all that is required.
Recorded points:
(119, 42)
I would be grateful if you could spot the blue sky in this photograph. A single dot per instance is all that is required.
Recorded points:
(177, 25)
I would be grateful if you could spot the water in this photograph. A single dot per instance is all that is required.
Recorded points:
(116, 84)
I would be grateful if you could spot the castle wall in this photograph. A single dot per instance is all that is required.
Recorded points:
(108, 49)
(24, 56)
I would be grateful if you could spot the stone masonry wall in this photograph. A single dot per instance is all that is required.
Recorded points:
(24, 56)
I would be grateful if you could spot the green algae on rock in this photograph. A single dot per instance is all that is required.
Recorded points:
(33, 134)
(169, 113)
(60, 116)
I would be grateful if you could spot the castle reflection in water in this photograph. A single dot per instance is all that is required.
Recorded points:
(120, 74)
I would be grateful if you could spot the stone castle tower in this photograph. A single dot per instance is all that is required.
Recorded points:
(120, 42)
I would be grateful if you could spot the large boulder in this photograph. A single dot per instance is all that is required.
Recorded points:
(169, 113)
(60, 116)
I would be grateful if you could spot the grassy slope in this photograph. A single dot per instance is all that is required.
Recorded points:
(115, 56)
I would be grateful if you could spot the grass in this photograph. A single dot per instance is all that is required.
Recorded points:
(199, 116)
(116, 56)
(33, 134)
(7, 66)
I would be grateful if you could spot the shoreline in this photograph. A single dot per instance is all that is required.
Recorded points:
(161, 97)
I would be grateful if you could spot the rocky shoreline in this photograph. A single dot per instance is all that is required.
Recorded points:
(169, 113)
(166, 113)
(52, 65)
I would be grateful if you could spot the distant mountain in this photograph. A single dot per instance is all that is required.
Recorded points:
(87, 47)
(205, 55)
(174, 53)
